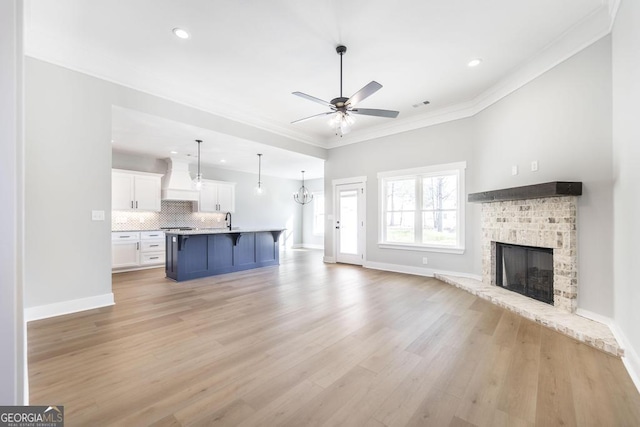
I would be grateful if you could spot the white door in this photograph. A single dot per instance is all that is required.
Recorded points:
(350, 223)
(147, 190)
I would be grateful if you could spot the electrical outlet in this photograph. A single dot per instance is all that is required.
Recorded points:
(202, 219)
(425, 260)
(534, 166)
(514, 170)
(121, 220)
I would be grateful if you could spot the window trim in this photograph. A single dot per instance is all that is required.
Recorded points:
(433, 170)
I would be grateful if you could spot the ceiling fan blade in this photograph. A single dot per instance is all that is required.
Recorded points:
(374, 112)
(314, 116)
(363, 93)
(312, 98)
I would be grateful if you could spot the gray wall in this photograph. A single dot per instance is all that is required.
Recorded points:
(562, 119)
(12, 331)
(68, 168)
(273, 208)
(626, 157)
(308, 238)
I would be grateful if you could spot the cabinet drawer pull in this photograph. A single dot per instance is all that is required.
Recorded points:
(153, 246)
(137, 245)
(154, 257)
(153, 235)
(124, 237)
(136, 204)
(132, 204)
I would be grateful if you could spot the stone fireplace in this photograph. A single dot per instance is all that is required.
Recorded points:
(541, 216)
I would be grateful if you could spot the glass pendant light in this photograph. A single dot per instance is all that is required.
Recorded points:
(197, 181)
(259, 189)
(303, 196)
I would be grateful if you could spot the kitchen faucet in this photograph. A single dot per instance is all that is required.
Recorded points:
(227, 219)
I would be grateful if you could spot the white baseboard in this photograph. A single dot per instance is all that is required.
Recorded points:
(329, 259)
(67, 307)
(416, 271)
(631, 359)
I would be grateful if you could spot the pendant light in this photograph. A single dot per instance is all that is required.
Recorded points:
(303, 196)
(259, 188)
(197, 181)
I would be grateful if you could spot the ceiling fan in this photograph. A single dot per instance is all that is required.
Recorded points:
(343, 108)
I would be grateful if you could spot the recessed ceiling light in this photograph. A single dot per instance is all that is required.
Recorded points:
(174, 152)
(223, 161)
(420, 104)
(474, 62)
(180, 33)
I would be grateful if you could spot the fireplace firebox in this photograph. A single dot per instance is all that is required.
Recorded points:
(526, 270)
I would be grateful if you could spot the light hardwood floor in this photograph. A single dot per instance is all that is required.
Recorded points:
(308, 343)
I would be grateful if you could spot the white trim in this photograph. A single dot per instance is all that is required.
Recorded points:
(631, 359)
(421, 248)
(352, 180)
(424, 170)
(416, 271)
(68, 307)
(329, 259)
(124, 270)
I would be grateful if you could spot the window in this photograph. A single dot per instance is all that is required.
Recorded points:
(318, 213)
(423, 208)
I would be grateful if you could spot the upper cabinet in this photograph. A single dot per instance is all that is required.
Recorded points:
(135, 191)
(217, 196)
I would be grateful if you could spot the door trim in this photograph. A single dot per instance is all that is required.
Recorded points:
(362, 180)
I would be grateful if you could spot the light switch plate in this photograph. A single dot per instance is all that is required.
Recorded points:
(514, 170)
(97, 215)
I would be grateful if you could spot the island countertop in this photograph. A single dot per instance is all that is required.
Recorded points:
(223, 230)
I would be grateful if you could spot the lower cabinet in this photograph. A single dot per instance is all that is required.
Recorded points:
(137, 250)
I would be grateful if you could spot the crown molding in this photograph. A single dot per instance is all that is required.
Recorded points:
(584, 33)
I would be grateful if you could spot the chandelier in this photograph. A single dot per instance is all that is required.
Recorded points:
(303, 196)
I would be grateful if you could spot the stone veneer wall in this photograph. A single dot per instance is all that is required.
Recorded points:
(546, 222)
(172, 214)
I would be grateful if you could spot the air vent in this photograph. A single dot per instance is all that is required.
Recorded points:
(420, 104)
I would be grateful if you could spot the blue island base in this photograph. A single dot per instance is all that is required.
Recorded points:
(191, 256)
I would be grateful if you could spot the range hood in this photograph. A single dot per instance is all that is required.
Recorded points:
(177, 184)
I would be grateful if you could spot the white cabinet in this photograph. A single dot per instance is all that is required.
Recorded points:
(135, 191)
(217, 196)
(137, 249)
(125, 250)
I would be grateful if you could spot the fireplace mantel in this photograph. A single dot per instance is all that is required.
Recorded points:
(537, 191)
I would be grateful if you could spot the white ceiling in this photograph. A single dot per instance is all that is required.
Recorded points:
(136, 132)
(244, 58)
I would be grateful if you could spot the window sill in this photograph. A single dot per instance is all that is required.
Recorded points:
(422, 248)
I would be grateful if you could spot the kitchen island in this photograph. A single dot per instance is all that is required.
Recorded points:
(192, 254)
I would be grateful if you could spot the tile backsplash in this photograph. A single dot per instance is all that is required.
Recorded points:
(172, 214)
